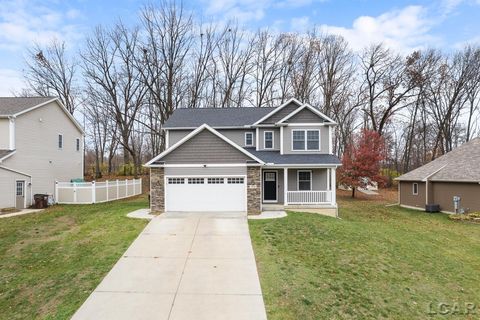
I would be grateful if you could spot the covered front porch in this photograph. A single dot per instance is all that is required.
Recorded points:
(298, 187)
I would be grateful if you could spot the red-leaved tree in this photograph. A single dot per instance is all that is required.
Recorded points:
(361, 160)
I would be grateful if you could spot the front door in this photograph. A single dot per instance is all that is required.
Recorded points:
(270, 186)
(20, 194)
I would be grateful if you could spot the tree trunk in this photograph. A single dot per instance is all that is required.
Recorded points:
(353, 192)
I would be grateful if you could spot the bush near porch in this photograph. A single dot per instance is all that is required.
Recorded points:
(376, 262)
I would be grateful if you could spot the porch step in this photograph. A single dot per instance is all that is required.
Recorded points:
(272, 207)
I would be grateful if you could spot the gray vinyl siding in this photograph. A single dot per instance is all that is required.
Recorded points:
(324, 139)
(305, 116)
(276, 138)
(201, 171)
(236, 135)
(176, 135)
(319, 179)
(285, 111)
(8, 185)
(4, 134)
(36, 140)
(205, 147)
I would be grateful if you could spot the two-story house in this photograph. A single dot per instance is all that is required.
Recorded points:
(245, 159)
(40, 142)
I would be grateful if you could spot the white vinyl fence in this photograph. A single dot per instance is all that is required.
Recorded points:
(96, 192)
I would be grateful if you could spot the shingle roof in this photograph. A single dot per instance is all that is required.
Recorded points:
(216, 117)
(461, 164)
(13, 105)
(277, 158)
(4, 153)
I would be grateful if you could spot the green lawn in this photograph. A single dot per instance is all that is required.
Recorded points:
(377, 262)
(51, 261)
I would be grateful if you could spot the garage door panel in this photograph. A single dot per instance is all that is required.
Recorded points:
(206, 196)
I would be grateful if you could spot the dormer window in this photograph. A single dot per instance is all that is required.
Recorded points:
(248, 139)
(305, 140)
(268, 139)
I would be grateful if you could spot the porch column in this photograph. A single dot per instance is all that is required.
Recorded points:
(333, 183)
(285, 186)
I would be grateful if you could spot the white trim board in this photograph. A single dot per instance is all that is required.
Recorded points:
(15, 171)
(64, 109)
(8, 156)
(314, 110)
(268, 115)
(193, 134)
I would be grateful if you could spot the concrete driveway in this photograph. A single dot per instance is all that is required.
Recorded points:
(183, 266)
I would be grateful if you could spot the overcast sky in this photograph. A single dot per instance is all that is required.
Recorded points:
(402, 25)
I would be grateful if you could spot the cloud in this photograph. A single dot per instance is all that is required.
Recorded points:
(250, 10)
(403, 30)
(10, 81)
(25, 22)
(300, 24)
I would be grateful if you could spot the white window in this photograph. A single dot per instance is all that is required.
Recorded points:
(415, 189)
(19, 189)
(176, 180)
(268, 139)
(215, 180)
(305, 140)
(77, 144)
(270, 176)
(235, 180)
(248, 139)
(195, 180)
(304, 179)
(60, 141)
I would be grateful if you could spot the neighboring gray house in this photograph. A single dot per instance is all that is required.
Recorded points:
(246, 159)
(455, 174)
(40, 142)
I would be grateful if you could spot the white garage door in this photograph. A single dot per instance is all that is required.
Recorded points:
(204, 194)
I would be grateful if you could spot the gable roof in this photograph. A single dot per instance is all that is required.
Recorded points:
(458, 165)
(16, 106)
(11, 106)
(190, 118)
(192, 134)
(308, 107)
(215, 117)
(4, 154)
(278, 109)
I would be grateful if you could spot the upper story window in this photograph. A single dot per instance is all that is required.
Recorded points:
(305, 140)
(77, 144)
(60, 141)
(268, 139)
(248, 139)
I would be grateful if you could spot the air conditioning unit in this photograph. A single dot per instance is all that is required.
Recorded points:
(432, 208)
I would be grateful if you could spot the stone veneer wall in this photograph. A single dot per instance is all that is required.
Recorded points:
(157, 190)
(254, 194)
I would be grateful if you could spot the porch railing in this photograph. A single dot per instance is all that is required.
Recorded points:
(309, 197)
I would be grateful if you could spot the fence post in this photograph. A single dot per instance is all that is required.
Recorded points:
(126, 188)
(134, 193)
(106, 184)
(56, 191)
(74, 192)
(117, 190)
(93, 191)
(141, 186)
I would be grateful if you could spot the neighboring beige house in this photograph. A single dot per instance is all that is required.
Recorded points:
(40, 142)
(455, 174)
(246, 160)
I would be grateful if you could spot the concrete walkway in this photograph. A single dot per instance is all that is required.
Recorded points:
(183, 266)
(20, 213)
